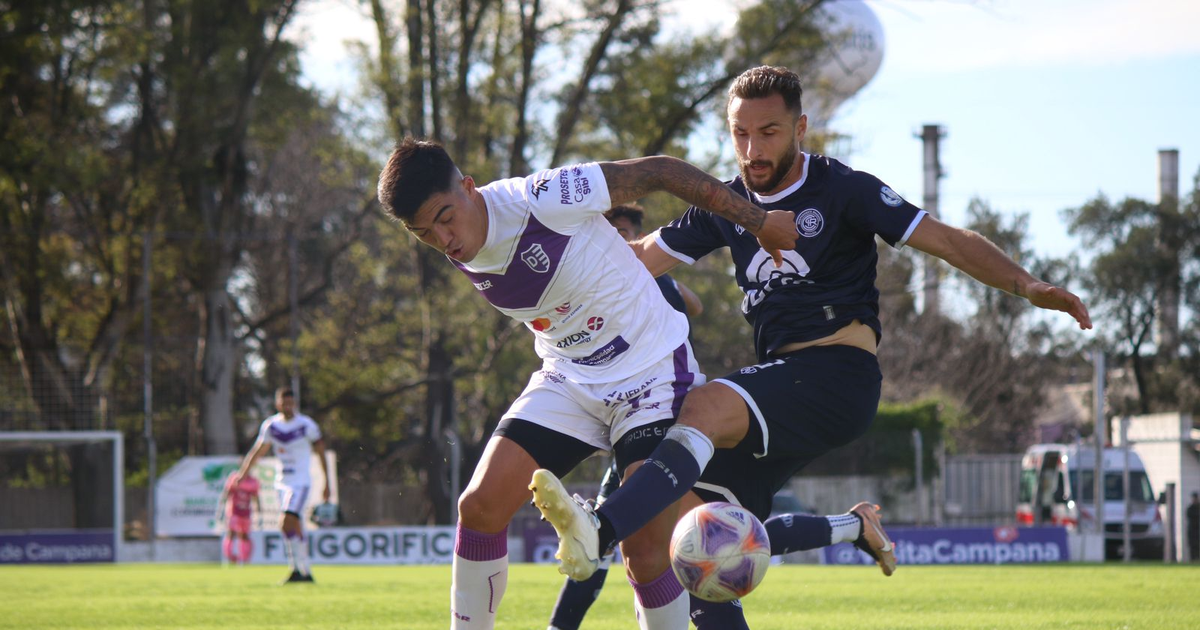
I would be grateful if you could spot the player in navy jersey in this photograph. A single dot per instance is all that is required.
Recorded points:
(616, 363)
(576, 597)
(816, 329)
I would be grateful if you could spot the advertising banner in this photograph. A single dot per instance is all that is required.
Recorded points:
(45, 547)
(362, 545)
(186, 497)
(541, 541)
(965, 545)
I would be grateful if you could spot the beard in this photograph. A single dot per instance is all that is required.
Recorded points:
(779, 170)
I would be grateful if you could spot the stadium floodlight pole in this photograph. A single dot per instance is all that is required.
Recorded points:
(148, 391)
(1101, 433)
(931, 137)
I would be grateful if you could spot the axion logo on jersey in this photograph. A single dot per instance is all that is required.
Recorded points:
(810, 222)
(539, 187)
(536, 258)
(540, 324)
(595, 323)
(890, 197)
(582, 336)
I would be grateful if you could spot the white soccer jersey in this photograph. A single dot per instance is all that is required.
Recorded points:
(292, 442)
(552, 261)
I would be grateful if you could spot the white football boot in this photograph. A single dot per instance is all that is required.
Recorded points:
(575, 521)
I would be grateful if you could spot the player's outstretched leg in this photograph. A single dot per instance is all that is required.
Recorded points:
(861, 526)
(872, 538)
(574, 520)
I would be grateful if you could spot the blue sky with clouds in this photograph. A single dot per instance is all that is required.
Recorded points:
(1045, 103)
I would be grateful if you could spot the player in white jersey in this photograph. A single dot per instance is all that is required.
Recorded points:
(616, 361)
(294, 438)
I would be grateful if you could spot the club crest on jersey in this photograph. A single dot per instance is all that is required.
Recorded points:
(536, 258)
(810, 222)
(890, 197)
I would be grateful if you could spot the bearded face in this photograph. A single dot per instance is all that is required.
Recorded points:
(764, 176)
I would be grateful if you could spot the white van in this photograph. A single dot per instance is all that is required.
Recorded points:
(1057, 488)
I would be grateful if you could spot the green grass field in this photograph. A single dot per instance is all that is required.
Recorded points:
(792, 597)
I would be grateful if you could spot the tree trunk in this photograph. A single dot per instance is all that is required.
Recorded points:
(218, 364)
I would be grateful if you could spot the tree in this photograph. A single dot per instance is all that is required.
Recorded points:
(996, 363)
(1130, 271)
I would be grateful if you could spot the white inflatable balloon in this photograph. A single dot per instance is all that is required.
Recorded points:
(851, 61)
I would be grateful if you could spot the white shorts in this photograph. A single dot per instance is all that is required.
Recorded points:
(600, 413)
(292, 499)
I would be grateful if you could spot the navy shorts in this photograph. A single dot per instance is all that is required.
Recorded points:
(802, 405)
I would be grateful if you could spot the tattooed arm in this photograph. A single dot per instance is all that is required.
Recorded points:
(979, 258)
(629, 180)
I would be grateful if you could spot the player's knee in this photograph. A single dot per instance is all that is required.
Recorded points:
(718, 412)
(480, 511)
(645, 554)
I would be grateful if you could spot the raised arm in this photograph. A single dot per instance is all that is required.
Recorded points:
(981, 259)
(629, 180)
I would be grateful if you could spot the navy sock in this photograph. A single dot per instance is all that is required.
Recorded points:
(797, 532)
(713, 616)
(575, 599)
(663, 479)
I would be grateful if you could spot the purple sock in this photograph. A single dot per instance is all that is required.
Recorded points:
(658, 592)
(797, 532)
(478, 546)
(708, 615)
(668, 474)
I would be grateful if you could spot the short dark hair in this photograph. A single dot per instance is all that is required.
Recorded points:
(284, 392)
(630, 211)
(416, 170)
(764, 81)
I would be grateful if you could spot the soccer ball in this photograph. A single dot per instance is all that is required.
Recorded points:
(720, 552)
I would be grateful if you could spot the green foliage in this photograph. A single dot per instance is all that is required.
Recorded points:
(1144, 256)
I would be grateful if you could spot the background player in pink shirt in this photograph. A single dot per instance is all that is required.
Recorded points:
(234, 508)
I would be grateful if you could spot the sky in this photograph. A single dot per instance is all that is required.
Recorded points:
(1044, 104)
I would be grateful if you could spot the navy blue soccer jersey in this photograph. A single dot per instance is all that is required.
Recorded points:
(828, 281)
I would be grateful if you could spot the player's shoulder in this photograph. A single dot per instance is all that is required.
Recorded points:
(840, 176)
